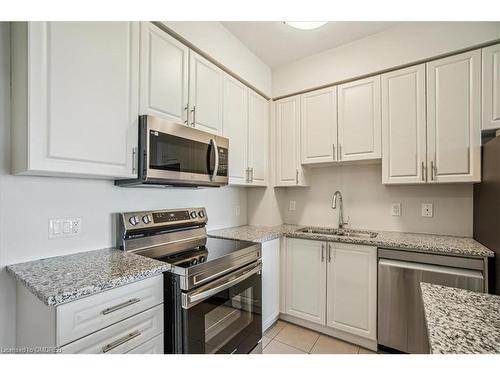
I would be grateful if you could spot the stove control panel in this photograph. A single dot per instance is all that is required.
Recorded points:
(162, 218)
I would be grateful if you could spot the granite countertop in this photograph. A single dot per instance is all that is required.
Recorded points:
(431, 243)
(460, 321)
(66, 278)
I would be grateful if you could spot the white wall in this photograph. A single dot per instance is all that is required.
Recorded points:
(403, 44)
(220, 44)
(368, 202)
(27, 203)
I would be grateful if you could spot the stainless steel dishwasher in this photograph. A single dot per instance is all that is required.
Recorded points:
(401, 321)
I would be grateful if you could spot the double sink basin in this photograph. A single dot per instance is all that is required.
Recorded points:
(339, 232)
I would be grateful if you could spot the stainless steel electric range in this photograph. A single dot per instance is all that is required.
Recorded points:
(212, 294)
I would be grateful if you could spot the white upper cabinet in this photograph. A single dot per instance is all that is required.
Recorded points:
(75, 98)
(352, 289)
(235, 124)
(288, 167)
(205, 94)
(164, 75)
(306, 280)
(258, 139)
(404, 126)
(491, 87)
(319, 126)
(359, 120)
(454, 118)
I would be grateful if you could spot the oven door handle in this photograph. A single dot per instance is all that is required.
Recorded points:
(216, 150)
(193, 298)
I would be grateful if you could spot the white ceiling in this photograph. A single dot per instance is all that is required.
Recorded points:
(276, 43)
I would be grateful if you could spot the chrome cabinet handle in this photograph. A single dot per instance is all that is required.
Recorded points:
(423, 172)
(322, 253)
(186, 108)
(120, 306)
(329, 253)
(120, 341)
(432, 170)
(296, 176)
(134, 159)
(251, 175)
(216, 149)
(193, 111)
(247, 172)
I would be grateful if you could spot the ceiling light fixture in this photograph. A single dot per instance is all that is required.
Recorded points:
(305, 25)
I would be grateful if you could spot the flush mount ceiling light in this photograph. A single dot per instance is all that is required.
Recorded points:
(306, 25)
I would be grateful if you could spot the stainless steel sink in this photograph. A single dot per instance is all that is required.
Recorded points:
(339, 232)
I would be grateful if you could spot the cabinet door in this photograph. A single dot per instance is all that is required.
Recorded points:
(288, 141)
(306, 279)
(454, 118)
(270, 282)
(491, 87)
(164, 75)
(205, 94)
(352, 289)
(78, 99)
(258, 138)
(235, 122)
(319, 126)
(404, 126)
(359, 120)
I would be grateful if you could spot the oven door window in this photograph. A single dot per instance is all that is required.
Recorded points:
(227, 322)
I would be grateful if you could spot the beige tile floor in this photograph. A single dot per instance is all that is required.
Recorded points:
(286, 338)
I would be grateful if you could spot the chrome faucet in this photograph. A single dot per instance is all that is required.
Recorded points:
(338, 195)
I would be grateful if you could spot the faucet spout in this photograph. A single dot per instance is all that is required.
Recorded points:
(337, 196)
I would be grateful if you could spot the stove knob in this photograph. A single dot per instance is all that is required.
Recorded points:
(194, 261)
(202, 259)
(146, 219)
(201, 214)
(134, 220)
(193, 215)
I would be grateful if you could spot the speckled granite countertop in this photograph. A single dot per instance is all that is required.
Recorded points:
(460, 321)
(448, 245)
(66, 278)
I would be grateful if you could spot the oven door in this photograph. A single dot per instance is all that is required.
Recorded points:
(179, 154)
(224, 316)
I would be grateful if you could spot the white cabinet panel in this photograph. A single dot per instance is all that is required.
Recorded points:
(306, 280)
(153, 346)
(75, 93)
(352, 289)
(164, 75)
(454, 118)
(491, 87)
(258, 138)
(404, 126)
(270, 282)
(359, 120)
(319, 126)
(205, 94)
(235, 123)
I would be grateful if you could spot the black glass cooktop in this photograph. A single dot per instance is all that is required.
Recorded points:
(215, 248)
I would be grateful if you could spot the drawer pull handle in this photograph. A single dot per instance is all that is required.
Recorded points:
(120, 306)
(120, 341)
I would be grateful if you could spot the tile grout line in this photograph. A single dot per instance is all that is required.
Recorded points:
(290, 346)
(315, 342)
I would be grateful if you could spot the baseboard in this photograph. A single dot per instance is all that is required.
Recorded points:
(361, 341)
(269, 322)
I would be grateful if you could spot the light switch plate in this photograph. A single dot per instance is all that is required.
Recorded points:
(68, 227)
(427, 210)
(291, 206)
(396, 209)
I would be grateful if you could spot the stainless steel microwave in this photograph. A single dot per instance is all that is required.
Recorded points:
(171, 154)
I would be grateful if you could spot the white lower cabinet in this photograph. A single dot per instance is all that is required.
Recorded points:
(270, 282)
(153, 346)
(333, 285)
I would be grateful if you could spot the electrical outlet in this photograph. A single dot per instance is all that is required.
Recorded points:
(427, 210)
(237, 210)
(396, 209)
(291, 206)
(59, 228)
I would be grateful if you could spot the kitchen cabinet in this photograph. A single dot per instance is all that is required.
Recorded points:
(306, 280)
(352, 289)
(164, 75)
(454, 118)
(491, 87)
(359, 120)
(289, 171)
(319, 126)
(270, 282)
(206, 82)
(258, 139)
(404, 139)
(75, 98)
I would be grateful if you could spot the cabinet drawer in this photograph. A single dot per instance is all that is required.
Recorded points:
(153, 346)
(123, 336)
(82, 317)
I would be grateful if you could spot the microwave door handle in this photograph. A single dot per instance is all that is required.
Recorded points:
(216, 150)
